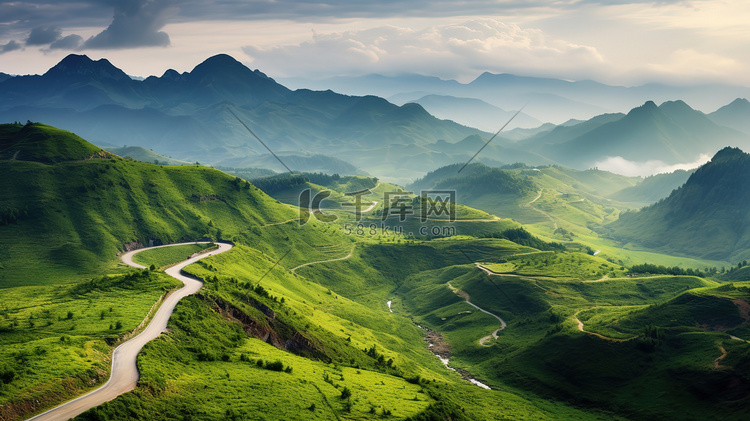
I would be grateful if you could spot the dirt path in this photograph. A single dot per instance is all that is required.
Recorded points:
(280, 223)
(124, 374)
(721, 357)
(466, 298)
(598, 335)
(324, 261)
(530, 204)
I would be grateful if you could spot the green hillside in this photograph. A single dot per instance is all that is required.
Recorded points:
(41, 143)
(75, 216)
(652, 188)
(707, 217)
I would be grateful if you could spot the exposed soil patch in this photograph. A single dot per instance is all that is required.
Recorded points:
(744, 308)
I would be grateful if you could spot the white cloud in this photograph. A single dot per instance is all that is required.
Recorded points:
(620, 165)
(450, 50)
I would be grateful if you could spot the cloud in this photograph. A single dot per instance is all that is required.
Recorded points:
(70, 42)
(446, 50)
(12, 45)
(620, 165)
(689, 64)
(43, 35)
(136, 23)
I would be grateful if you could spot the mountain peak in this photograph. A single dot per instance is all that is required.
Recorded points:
(220, 64)
(649, 107)
(81, 66)
(728, 154)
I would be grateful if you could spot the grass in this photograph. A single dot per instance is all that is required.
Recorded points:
(166, 256)
(57, 339)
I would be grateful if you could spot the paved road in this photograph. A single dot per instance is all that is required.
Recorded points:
(124, 374)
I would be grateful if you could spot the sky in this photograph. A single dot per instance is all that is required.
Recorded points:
(611, 41)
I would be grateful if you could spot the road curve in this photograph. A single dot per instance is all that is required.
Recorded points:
(124, 375)
(465, 296)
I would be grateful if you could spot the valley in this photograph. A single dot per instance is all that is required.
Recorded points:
(555, 289)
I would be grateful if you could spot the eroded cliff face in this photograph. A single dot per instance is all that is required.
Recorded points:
(270, 329)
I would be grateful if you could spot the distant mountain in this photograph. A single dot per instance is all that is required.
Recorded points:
(549, 100)
(4, 77)
(735, 115)
(707, 217)
(145, 155)
(653, 188)
(190, 115)
(474, 113)
(672, 133)
(569, 131)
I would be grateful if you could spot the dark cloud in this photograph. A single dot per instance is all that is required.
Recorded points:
(43, 35)
(12, 45)
(71, 42)
(136, 23)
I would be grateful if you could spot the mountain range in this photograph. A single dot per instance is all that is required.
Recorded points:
(217, 113)
(190, 116)
(546, 99)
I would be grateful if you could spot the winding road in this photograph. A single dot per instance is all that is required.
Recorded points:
(466, 297)
(124, 375)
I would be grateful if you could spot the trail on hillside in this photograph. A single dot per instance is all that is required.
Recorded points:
(124, 374)
(598, 335)
(721, 357)
(466, 298)
(324, 261)
(530, 204)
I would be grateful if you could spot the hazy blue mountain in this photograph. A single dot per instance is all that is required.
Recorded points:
(4, 77)
(519, 133)
(145, 155)
(569, 131)
(547, 98)
(707, 217)
(735, 115)
(474, 113)
(189, 116)
(653, 188)
(672, 133)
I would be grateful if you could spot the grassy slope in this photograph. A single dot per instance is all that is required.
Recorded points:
(56, 340)
(541, 350)
(74, 216)
(165, 256)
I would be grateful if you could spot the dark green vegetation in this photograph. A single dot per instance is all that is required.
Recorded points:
(707, 217)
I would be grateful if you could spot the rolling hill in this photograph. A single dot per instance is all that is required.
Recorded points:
(706, 217)
(76, 206)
